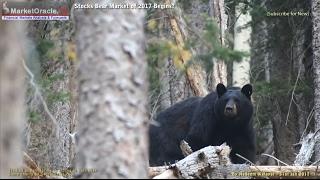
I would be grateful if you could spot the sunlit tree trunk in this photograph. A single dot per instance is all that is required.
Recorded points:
(242, 35)
(217, 11)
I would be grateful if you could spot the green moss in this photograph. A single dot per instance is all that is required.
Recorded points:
(33, 116)
(54, 97)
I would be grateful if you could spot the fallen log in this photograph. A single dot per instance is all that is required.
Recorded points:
(197, 164)
(213, 162)
(239, 171)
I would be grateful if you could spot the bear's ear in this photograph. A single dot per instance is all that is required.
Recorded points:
(221, 89)
(247, 90)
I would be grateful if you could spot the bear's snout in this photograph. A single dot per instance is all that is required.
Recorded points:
(230, 109)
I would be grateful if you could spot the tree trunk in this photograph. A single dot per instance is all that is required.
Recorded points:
(286, 76)
(113, 87)
(50, 142)
(316, 69)
(217, 10)
(242, 36)
(194, 74)
(283, 89)
(174, 87)
(195, 11)
(260, 72)
(12, 110)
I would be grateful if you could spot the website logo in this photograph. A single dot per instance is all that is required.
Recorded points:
(35, 11)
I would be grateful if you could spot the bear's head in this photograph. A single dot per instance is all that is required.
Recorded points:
(234, 104)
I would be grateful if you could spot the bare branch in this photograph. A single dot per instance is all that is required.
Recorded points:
(244, 159)
(276, 159)
(37, 93)
(308, 122)
(292, 94)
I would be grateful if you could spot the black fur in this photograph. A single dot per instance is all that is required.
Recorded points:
(202, 122)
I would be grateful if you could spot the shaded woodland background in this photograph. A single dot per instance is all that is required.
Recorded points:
(82, 93)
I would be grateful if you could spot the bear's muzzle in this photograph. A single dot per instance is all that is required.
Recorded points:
(230, 109)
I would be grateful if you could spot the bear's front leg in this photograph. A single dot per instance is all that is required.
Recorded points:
(245, 147)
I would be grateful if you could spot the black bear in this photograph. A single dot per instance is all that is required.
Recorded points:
(221, 116)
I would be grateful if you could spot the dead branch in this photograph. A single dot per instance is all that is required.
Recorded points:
(32, 170)
(306, 149)
(185, 148)
(278, 160)
(32, 167)
(38, 93)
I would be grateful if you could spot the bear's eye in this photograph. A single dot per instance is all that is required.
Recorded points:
(226, 100)
(234, 99)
